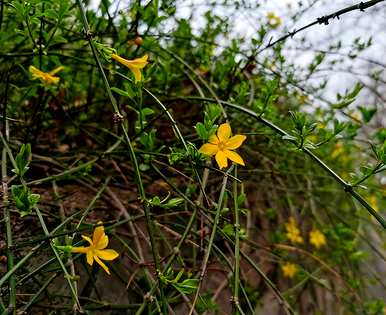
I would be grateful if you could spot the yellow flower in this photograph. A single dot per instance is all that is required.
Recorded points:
(337, 151)
(97, 250)
(317, 238)
(373, 202)
(273, 20)
(289, 270)
(303, 98)
(293, 233)
(45, 77)
(221, 146)
(135, 65)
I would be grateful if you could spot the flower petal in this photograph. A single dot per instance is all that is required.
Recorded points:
(233, 156)
(140, 63)
(90, 257)
(35, 71)
(208, 149)
(137, 73)
(235, 142)
(86, 238)
(44, 77)
(80, 249)
(106, 254)
(56, 70)
(134, 65)
(50, 79)
(213, 139)
(100, 239)
(224, 132)
(221, 159)
(102, 264)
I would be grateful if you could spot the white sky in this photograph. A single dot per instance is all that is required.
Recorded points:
(350, 26)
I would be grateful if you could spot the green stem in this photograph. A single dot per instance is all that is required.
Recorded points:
(346, 186)
(9, 242)
(7, 215)
(374, 171)
(149, 220)
(63, 267)
(23, 260)
(176, 248)
(40, 291)
(276, 292)
(236, 271)
(211, 239)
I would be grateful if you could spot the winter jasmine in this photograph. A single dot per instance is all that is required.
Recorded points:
(222, 146)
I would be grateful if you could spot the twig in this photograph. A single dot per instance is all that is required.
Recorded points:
(204, 265)
(149, 220)
(7, 216)
(346, 186)
(325, 19)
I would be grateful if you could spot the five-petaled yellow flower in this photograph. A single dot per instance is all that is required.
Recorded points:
(134, 65)
(317, 238)
(289, 270)
(273, 20)
(45, 77)
(97, 250)
(293, 233)
(221, 146)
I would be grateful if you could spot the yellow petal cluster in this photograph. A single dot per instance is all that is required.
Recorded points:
(135, 65)
(289, 270)
(45, 77)
(222, 146)
(317, 238)
(293, 232)
(96, 251)
(273, 20)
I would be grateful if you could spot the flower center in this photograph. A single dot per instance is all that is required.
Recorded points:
(221, 146)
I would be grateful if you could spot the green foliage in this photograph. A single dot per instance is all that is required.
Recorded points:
(208, 128)
(22, 160)
(185, 286)
(166, 203)
(348, 98)
(25, 201)
(106, 149)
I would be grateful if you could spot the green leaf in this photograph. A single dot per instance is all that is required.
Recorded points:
(241, 199)
(187, 286)
(172, 203)
(22, 159)
(228, 229)
(367, 113)
(201, 131)
(24, 200)
(120, 92)
(348, 98)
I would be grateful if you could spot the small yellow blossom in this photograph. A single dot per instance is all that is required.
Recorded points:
(134, 65)
(97, 250)
(273, 20)
(45, 77)
(317, 238)
(289, 270)
(337, 151)
(222, 145)
(293, 233)
(373, 202)
(321, 125)
(303, 98)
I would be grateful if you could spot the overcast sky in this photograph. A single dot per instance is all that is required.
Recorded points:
(371, 23)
